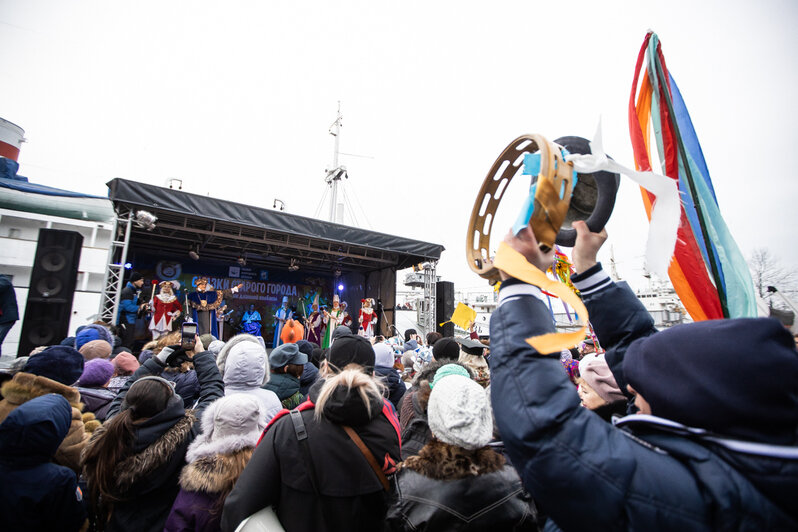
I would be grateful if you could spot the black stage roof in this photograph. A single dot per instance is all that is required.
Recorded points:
(269, 238)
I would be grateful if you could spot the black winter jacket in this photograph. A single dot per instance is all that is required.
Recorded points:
(396, 386)
(148, 480)
(646, 480)
(439, 490)
(277, 474)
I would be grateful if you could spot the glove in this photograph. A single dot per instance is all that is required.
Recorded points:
(172, 355)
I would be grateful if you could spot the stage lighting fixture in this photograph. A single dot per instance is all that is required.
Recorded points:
(128, 266)
(337, 272)
(194, 253)
(242, 261)
(145, 220)
(293, 266)
(340, 288)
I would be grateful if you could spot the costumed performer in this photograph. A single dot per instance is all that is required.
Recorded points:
(282, 315)
(332, 319)
(315, 326)
(367, 318)
(165, 308)
(347, 319)
(204, 302)
(250, 321)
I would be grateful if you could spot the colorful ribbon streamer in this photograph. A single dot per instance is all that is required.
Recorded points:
(709, 272)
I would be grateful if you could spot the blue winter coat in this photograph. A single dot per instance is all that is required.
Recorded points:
(36, 494)
(587, 474)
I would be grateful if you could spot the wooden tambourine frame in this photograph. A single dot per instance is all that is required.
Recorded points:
(549, 207)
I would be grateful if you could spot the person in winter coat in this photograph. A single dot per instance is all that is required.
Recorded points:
(310, 373)
(287, 364)
(457, 482)
(320, 480)
(132, 463)
(383, 369)
(598, 390)
(183, 375)
(231, 428)
(93, 387)
(53, 371)
(714, 448)
(36, 494)
(245, 368)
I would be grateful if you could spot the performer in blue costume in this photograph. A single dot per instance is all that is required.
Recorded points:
(204, 302)
(250, 322)
(282, 315)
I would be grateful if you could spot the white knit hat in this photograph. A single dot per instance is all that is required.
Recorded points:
(383, 355)
(459, 413)
(229, 424)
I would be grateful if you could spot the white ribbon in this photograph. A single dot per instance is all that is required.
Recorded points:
(665, 212)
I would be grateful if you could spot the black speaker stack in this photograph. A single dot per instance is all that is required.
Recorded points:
(52, 288)
(444, 307)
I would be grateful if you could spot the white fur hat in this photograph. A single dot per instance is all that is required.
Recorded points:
(459, 413)
(229, 424)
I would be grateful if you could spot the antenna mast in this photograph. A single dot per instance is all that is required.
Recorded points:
(337, 172)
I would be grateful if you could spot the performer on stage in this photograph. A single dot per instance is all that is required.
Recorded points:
(222, 317)
(204, 303)
(367, 318)
(282, 315)
(315, 327)
(332, 319)
(165, 308)
(347, 319)
(251, 322)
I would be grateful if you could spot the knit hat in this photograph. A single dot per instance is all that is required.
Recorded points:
(96, 349)
(341, 330)
(68, 341)
(458, 412)
(349, 349)
(449, 369)
(229, 424)
(206, 340)
(735, 377)
(383, 355)
(292, 332)
(125, 363)
(446, 349)
(135, 276)
(215, 347)
(285, 354)
(92, 332)
(60, 363)
(305, 347)
(594, 369)
(96, 373)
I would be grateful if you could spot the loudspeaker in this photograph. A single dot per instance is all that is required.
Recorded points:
(52, 287)
(444, 307)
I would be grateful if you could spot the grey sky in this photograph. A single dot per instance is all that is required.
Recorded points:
(235, 98)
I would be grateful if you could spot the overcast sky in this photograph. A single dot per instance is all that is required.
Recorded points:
(235, 98)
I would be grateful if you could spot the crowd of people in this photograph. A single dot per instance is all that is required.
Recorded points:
(690, 428)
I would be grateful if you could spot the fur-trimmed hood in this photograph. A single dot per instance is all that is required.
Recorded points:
(215, 473)
(441, 461)
(229, 424)
(140, 465)
(26, 386)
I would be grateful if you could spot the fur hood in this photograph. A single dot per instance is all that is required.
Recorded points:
(441, 461)
(215, 473)
(26, 386)
(140, 465)
(221, 360)
(229, 424)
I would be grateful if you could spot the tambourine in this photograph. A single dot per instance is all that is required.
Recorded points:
(558, 197)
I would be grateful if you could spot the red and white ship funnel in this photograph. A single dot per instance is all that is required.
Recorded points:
(11, 138)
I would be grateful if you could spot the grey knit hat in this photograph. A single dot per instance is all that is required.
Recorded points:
(459, 412)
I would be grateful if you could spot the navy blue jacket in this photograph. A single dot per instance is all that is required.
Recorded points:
(8, 301)
(587, 474)
(127, 305)
(36, 494)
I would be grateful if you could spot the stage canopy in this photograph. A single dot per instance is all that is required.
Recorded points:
(222, 230)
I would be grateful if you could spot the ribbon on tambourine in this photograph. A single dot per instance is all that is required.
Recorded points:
(513, 263)
(665, 213)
